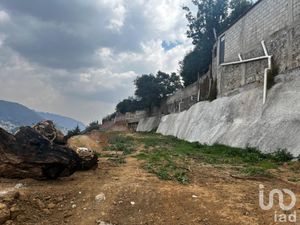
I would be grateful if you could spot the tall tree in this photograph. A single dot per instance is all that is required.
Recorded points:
(129, 105)
(151, 90)
(211, 19)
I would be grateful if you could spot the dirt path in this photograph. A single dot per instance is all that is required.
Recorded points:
(133, 196)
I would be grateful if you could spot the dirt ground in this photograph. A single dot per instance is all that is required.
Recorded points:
(128, 195)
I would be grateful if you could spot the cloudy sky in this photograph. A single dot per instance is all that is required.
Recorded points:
(79, 58)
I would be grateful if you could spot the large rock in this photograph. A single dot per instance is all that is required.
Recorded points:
(242, 120)
(30, 155)
(88, 157)
(48, 130)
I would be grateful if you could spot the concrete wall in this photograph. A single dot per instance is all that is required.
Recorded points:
(148, 124)
(275, 21)
(184, 98)
(242, 120)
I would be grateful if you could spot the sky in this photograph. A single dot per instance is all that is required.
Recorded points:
(79, 58)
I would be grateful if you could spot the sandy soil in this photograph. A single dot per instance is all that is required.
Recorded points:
(133, 196)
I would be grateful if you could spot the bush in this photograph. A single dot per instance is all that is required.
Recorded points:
(74, 132)
(282, 155)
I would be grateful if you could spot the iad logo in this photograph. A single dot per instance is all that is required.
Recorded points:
(279, 217)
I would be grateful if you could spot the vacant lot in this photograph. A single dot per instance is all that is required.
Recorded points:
(152, 179)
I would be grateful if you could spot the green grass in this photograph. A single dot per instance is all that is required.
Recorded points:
(168, 157)
(120, 142)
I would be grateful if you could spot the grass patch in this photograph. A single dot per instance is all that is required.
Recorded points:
(169, 157)
(256, 172)
(119, 142)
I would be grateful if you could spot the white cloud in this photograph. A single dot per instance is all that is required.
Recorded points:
(81, 64)
(4, 17)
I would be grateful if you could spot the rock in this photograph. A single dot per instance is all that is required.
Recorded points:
(9, 222)
(74, 206)
(47, 211)
(28, 154)
(4, 213)
(47, 130)
(18, 186)
(23, 195)
(40, 204)
(9, 195)
(132, 203)
(100, 222)
(67, 214)
(89, 158)
(14, 212)
(51, 205)
(99, 198)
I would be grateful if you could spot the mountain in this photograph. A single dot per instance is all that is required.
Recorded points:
(62, 122)
(13, 115)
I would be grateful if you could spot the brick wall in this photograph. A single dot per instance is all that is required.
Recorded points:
(277, 22)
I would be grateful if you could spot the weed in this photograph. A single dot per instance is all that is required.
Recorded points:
(256, 171)
(282, 155)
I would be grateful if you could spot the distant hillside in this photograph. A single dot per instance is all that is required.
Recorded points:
(13, 115)
(62, 122)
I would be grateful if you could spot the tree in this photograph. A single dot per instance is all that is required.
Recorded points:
(74, 132)
(151, 90)
(194, 64)
(211, 19)
(92, 126)
(148, 90)
(129, 105)
(168, 83)
(238, 7)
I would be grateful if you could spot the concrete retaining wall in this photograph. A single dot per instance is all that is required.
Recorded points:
(148, 124)
(242, 120)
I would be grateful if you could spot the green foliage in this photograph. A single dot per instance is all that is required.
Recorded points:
(168, 157)
(120, 143)
(74, 132)
(92, 126)
(109, 117)
(195, 64)
(238, 8)
(256, 172)
(129, 105)
(281, 156)
(151, 90)
(211, 19)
